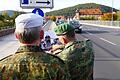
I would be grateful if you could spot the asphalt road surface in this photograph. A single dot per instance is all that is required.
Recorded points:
(107, 51)
(106, 43)
(8, 45)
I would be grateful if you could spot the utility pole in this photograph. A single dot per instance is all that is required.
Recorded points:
(112, 14)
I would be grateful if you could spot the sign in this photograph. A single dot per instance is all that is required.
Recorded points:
(38, 11)
(36, 4)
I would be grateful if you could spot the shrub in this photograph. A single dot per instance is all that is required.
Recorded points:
(53, 18)
(88, 18)
(108, 17)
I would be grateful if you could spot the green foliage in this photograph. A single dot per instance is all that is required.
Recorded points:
(70, 11)
(118, 16)
(6, 15)
(1, 24)
(107, 9)
(118, 19)
(109, 17)
(2, 18)
(88, 18)
(5, 25)
(15, 15)
(7, 21)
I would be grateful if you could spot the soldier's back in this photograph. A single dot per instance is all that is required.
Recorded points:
(32, 66)
(80, 59)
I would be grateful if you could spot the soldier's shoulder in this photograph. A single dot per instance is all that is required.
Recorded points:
(6, 58)
(48, 57)
(55, 59)
(82, 44)
(87, 40)
(84, 40)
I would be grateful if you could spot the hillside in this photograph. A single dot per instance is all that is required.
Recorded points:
(70, 11)
(10, 12)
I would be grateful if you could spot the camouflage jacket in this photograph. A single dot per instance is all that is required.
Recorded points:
(29, 63)
(80, 59)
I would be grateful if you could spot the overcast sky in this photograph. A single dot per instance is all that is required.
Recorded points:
(58, 4)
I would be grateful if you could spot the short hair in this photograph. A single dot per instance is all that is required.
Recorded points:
(70, 34)
(29, 35)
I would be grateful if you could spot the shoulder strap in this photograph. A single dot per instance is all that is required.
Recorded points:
(6, 57)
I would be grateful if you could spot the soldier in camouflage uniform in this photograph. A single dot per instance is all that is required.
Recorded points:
(77, 54)
(30, 62)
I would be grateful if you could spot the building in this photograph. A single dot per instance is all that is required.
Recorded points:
(96, 13)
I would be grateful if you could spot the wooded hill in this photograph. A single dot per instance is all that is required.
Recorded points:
(10, 12)
(70, 11)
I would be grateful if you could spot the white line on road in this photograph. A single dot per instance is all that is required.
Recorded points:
(108, 41)
(102, 39)
(89, 33)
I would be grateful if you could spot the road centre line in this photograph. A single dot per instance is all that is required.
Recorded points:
(102, 39)
(108, 41)
(89, 33)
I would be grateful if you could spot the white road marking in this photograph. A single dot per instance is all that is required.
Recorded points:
(108, 41)
(102, 39)
(89, 33)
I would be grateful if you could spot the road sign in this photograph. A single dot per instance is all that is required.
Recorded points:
(36, 3)
(38, 11)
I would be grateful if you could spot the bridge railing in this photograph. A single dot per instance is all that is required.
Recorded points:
(6, 30)
(107, 23)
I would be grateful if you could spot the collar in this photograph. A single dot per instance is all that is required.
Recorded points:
(69, 44)
(29, 49)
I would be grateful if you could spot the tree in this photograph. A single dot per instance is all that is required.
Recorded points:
(2, 18)
(53, 18)
(1, 24)
(14, 16)
(88, 18)
(108, 17)
(118, 16)
(6, 15)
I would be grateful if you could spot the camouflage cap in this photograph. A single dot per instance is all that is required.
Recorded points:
(63, 29)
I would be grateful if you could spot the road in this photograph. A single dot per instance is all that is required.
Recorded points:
(106, 47)
(107, 51)
(8, 45)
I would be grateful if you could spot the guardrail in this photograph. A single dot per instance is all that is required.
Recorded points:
(4, 32)
(107, 23)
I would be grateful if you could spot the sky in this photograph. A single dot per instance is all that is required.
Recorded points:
(58, 4)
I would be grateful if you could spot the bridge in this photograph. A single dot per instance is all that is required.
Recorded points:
(106, 43)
